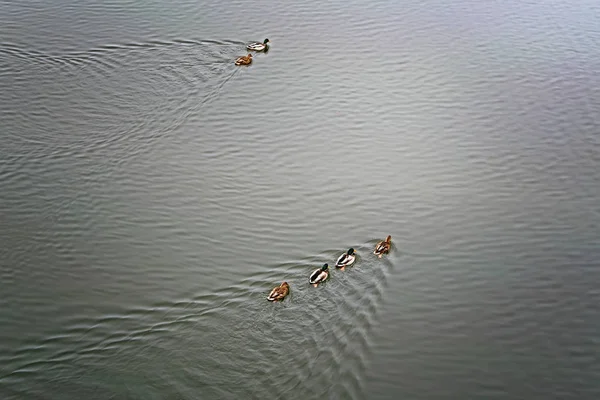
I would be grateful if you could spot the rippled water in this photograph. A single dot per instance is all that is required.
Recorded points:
(152, 193)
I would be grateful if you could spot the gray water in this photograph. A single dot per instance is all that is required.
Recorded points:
(152, 194)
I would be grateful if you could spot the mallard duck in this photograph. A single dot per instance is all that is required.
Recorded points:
(279, 292)
(258, 46)
(319, 275)
(346, 259)
(244, 60)
(383, 246)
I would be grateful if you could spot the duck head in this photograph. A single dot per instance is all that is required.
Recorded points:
(324, 267)
(350, 251)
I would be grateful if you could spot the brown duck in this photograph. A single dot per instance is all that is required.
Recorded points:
(383, 247)
(244, 60)
(279, 292)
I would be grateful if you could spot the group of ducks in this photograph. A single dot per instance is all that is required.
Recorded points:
(255, 46)
(321, 274)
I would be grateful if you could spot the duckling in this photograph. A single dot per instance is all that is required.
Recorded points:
(383, 247)
(258, 46)
(244, 60)
(346, 259)
(279, 292)
(319, 275)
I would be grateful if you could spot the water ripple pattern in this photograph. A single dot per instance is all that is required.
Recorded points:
(315, 343)
(152, 194)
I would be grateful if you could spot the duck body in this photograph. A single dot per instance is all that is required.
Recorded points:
(279, 292)
(383, 247)
(319, 275)
(346, 259)
(244, 60)
(258, 46)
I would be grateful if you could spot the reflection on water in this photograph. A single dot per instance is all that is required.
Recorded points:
(152, 194)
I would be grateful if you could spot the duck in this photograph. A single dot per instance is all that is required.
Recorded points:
(319, 275)
(346, 259)
(383, 247)
(279, 292)
(244, 60)
(258, 46)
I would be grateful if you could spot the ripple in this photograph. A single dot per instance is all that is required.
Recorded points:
(149, 191)
(122, 91)
(321, 334)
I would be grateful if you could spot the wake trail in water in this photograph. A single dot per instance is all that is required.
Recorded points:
(314, 343)
(117, 93)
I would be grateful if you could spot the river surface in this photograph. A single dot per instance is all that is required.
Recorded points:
(152, 194)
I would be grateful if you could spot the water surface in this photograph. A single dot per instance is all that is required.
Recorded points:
(152, 193)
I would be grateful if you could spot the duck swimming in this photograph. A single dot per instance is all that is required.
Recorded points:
(244, 60)
(383, 247)
(279, 292)
(319, 275)
(258, 46)
(346, 259)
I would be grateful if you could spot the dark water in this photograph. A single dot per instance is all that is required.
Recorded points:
(152, 193)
